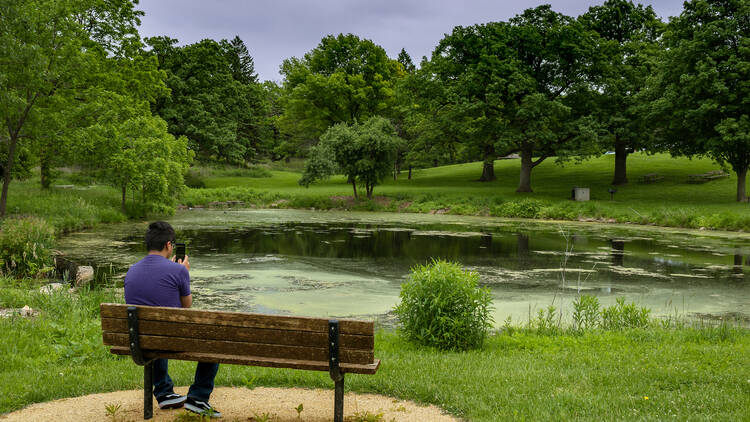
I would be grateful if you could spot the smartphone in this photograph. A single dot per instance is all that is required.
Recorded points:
(179, 252)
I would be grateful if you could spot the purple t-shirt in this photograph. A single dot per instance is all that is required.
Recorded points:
(156, 281)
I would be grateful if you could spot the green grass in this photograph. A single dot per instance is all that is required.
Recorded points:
(454, 189)
(687, 373)
(65, 208)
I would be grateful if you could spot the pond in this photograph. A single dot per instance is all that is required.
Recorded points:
(344, 264)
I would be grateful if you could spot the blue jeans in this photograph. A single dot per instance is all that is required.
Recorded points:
(202, 386)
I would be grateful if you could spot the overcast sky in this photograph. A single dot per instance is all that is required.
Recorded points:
(274, 30)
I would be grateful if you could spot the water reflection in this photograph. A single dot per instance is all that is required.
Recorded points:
(306, 263)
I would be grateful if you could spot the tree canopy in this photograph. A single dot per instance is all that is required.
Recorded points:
(629, 50)
(703, 85)
(342, 80)
(364, 153)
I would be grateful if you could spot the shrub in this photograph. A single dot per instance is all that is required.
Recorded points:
(585, 313)
(25, 246)
(526, 208)
(442, 306)
(620, 316)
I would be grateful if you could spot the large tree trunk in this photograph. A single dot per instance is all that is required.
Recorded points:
(524, 180)
(45, 171)
(354, 186)
(488, 167)
(621, 158)
(488, 170)
(741, 179)
(12, 142)
(409, 172)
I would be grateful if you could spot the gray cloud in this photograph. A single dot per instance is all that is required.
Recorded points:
(276, 30)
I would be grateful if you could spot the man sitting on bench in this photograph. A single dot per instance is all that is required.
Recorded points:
(156, 280)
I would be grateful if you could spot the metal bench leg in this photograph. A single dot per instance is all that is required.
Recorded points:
(338, 401)
(148, 390)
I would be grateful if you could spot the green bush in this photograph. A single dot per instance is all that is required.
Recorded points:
(620, 316)
(25, 246)
(442, 306)
(585, 313)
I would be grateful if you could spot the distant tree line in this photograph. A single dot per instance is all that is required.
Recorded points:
(79, 86)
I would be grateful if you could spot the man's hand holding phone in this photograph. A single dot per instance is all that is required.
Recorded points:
(180, 256)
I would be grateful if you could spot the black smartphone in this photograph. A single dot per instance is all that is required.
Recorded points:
(179, 252)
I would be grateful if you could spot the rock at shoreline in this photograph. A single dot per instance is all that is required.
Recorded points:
(84, 275)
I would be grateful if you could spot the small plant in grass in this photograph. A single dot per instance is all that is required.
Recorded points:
(194, 417)
(442, 306)
(620, 316)
(112, 410)
(25, 246)
(263, 417)
(366, 416)
(548, 321)
(585, 313)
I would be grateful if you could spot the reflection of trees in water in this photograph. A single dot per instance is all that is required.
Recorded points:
(618, 252)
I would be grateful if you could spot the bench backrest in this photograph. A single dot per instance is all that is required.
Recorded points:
(238, 334)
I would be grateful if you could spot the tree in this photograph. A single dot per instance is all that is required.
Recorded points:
(40, 53)
(547, 117)
(364, 153)
(467, 86)
(405, 59)
(517, 87)
(702, 85)
(629, 46)
(148, 159)
(240, 62)
(342, 80)
(215, 99)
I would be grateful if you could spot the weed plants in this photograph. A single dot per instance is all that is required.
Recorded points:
(25, 246)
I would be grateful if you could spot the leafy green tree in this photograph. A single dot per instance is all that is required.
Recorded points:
(41, 53)
(215, 99)
(703, 85)
(515, 87)
(467, 89)
(629, 48)
(547, 109)
(364, 153)
(342, 80)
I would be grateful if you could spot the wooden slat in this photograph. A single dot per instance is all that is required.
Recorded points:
(237, 319)
(185, 344)
(255, 361)
(254, 335)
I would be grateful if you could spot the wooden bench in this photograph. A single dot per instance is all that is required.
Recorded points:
(650, 178)
(147, 333)
(706, 177)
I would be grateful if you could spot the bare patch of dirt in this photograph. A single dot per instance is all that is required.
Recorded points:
(235, 404)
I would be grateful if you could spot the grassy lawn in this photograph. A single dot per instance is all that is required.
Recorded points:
(454, 189)
(657, 373)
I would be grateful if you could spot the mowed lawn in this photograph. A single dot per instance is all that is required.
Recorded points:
(551, 183)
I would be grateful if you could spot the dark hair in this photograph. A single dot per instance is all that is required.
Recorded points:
(158, 234)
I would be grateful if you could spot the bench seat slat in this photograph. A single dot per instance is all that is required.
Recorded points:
(254, 335)
(224, 347)
(254, 361)
(236, 319)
